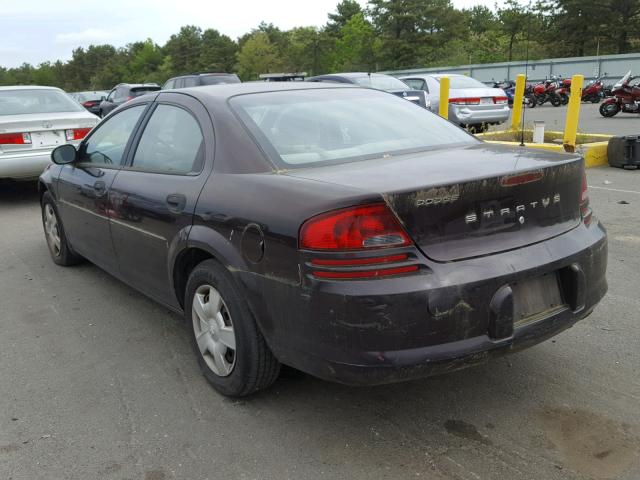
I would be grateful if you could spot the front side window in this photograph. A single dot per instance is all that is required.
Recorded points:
(172, 142)
(337, 125)
(25, 101)
(106, 145)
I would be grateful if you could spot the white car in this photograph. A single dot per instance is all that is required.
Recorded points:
(33, 121)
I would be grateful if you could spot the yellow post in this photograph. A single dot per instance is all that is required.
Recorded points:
(518, 96)
(573, 114)
(444, 97)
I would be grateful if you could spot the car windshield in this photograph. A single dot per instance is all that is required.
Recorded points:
(218, 79)
(25, 101)
(380, 82)
(458, 81)
(624, 80)
(304, 127)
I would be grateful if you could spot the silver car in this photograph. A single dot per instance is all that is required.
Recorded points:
(471, 103)
(33, 121)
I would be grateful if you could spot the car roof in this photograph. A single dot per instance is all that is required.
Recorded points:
(29, 87)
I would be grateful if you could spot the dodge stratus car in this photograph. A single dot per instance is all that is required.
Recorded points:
(338, 230)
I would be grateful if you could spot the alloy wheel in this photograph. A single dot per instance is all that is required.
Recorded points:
(51, 230)
(213, 329)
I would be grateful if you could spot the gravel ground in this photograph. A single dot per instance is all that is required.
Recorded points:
(99, 382)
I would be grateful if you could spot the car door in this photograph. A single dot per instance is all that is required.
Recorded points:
(155, 194)
(83, 186)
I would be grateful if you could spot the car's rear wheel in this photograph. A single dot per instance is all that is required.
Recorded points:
(232, 353)
(54, 233)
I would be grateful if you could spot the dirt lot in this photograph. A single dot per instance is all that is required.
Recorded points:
(98, 382)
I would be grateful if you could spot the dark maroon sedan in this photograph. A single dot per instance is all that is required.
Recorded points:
(339, 230)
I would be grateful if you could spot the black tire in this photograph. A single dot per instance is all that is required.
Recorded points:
(555, 100)
(254, 366)
(609, 110)
(478, 128)
(595, 99)
(530, 101)
(61, 254)
(564, 99)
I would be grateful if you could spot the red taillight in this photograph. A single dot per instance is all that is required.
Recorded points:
(500, 99)
(465, 101)
(90, 103)
(15, 138)
(76, 134)
(354, 228)
(585, 210)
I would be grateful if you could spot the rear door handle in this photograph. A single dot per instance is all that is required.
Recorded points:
(176, 202)
(100, 188)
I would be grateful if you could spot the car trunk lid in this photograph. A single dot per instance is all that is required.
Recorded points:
(46, 130)
(471, 201)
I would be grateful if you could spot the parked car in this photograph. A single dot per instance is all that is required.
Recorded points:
(33, 121)
(378, 81)
(90, 100)
(124, 92)
(283, 77)
(471, 103)
(199, 79)
(340, 231)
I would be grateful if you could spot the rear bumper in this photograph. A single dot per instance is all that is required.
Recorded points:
(24, 165)
(449, 316)
(470, 116)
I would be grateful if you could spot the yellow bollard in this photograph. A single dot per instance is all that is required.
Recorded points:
(444, 97)
(518, 96)
(573, 114)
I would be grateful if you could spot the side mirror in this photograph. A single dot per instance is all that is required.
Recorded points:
(64, 154)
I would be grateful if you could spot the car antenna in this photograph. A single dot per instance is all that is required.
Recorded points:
(526, 72)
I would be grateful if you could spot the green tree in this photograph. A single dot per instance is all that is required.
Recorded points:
(344, 11)
(354, 48)
(257, 55)
(185, 50)
(513, 22)
(218, 52)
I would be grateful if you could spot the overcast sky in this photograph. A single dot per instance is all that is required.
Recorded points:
(35, 31)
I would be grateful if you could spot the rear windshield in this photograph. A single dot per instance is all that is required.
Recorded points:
(20, 102)
(299, 128)
(463, 82)
(380, 82)
(138, 91)
(90, 96)
(219, 79)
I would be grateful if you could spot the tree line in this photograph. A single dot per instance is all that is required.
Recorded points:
(385, 35)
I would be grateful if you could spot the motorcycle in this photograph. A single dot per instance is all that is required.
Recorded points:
(626, 98)
(509, 88)
(563, 90)
(594, 91)
(546, 92)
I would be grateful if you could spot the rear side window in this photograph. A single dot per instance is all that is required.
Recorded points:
(219, 79)
(106, 145)
(169, 84)
(190, 82)
(172, 142)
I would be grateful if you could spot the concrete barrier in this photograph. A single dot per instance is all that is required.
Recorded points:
(593, 151)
